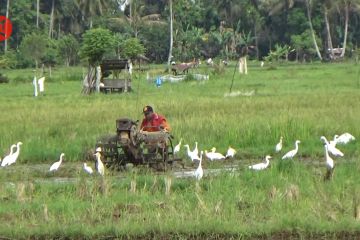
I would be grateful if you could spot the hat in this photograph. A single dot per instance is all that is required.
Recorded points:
(148, 109)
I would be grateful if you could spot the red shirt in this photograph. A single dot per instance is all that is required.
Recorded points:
(154, 124)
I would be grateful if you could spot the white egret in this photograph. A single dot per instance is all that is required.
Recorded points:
(329, 164)
(88, 169)
(6, 159)
(344, 138)
(261, 166)
(55, 166)
(198, 174)
(329, 160)
(333, 142)
(230, 152)
(191, 154)
(99, 164)
(214, 155)
(278, 146)
(196, 151)
(292, 153)
(333, 150)
(16, 154)
(177, 147)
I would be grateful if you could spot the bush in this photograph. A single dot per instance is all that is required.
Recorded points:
(8, 60)
(96, 43)
(68, 48)
(3, 79)
(22, 79)
(132, 48)
(33, 47)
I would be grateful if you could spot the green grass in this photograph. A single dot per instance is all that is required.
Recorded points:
(296, 101)
(243, 203)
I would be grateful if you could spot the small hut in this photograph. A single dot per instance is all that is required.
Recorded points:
(115, 75)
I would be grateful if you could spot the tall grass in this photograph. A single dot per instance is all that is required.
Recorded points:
(285, 198)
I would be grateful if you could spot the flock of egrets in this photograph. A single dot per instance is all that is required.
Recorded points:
(329, 147)
(14, 155)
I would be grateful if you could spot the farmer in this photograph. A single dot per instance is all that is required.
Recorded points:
(153, 122)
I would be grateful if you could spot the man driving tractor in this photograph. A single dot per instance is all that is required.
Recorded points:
(153, 122)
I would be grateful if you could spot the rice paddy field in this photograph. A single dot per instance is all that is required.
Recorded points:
(289, 200)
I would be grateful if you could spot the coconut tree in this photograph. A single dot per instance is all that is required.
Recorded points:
(326, 5)
(308, 4)
(171, 32)
(135, 16)
(37, 13)
(92, 8)
(51, 25)
(348, 5)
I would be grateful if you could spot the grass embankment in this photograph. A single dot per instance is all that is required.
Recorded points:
(287, 197)
(290, 198)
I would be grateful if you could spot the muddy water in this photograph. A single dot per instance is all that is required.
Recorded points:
(71, 172)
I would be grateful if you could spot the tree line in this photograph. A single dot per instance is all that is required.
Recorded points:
(52, 32)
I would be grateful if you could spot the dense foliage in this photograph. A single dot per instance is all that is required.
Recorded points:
(96, 42)
(202, 28)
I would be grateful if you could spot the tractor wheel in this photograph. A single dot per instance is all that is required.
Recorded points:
(109, 149)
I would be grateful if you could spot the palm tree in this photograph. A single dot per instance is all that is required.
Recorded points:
(136, 17)
(326, 6)
(37, 12)
(308, 10)
(92, 8)
(348, 5)
(335, 8)
(171, 32)
(51, 25)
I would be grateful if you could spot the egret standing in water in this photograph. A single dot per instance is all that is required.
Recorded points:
(332, 149)
(199, 172)
(261, 166)
(57, 164)
(196, 151)
(88, 169)
(7, 158)
(329, 164)
(230, 152)
(177, 147)
(191, 154)
(278, 146)
(99, 164)
(16, 154)
(291, 154)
